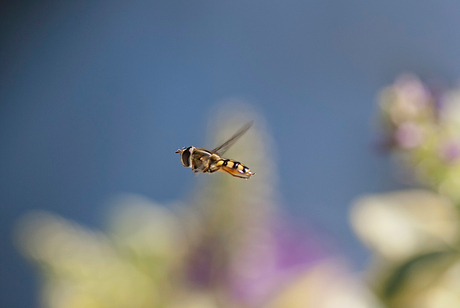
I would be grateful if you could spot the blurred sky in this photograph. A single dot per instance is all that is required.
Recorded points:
(97, 95)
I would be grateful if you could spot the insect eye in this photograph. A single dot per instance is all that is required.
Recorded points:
(185, 156)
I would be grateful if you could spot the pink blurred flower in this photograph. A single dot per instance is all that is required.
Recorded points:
(449, 151)
(409, 135)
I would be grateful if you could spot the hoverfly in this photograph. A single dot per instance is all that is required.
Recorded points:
(203, 160)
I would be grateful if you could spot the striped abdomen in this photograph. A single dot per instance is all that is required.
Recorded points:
(234, 168)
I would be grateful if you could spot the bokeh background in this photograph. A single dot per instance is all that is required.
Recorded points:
(96, 96)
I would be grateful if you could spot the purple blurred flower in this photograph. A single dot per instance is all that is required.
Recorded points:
(409, 135)
(449, 151)
(257, 270)
(272, 261)
(413, 91)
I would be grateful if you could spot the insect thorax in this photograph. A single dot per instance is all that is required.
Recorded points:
(202, 159)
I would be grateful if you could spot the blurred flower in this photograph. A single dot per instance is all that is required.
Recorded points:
(414, 237)
(327, 285)
(423, 127)
(401, 224)
(82, 268)
(449, 151)
(415, 234)
(409, 135)
(227, 247)
(408, 100)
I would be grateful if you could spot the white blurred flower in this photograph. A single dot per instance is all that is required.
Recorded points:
(400, 224)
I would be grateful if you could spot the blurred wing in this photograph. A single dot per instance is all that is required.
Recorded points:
(220, 150)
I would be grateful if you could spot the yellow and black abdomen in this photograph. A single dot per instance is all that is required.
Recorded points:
(234, 168)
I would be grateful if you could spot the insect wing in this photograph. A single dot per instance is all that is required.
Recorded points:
(220, 150)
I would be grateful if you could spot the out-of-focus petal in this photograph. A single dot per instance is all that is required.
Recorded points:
(276, 257)
(327, 285)
(410, 135)
(148, 235)
(81, 267)
(399, 224)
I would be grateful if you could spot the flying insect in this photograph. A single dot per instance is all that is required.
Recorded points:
(202, 160)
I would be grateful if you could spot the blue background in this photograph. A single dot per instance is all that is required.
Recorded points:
(97, 95)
